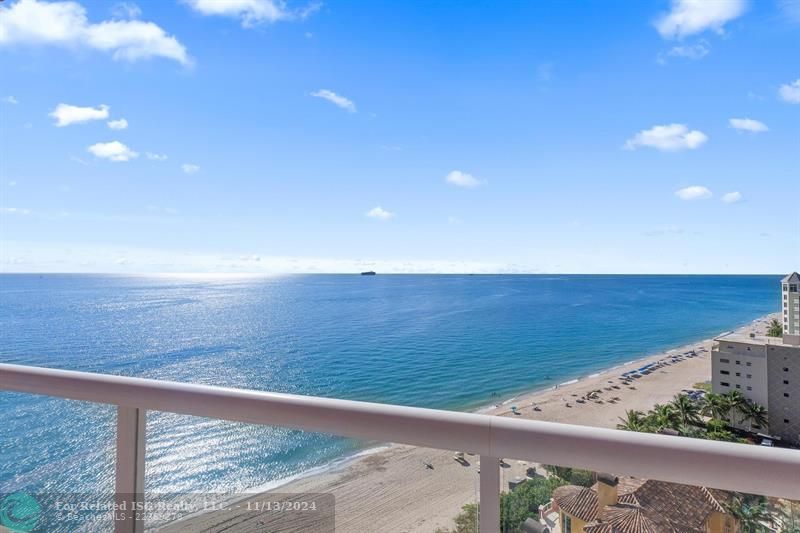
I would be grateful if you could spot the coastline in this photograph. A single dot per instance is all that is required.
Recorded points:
(389, 487)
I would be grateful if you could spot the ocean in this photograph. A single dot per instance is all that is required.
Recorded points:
(445, 341)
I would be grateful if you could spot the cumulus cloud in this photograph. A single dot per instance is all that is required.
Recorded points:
(462, 179)
(11, 100)
(732, 197)
(668, 138)
(113, 151)
(790, 92)
(694, 192)
(690, 51)
(126, 10)
(380, 213)
(335, 99)
(119, 124)
(688, 17)
(189, 168)
(65, 24)
(252, 12)
(66, 114)
(155, 157)
(748, 124)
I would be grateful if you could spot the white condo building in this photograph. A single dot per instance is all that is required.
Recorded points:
(766, 369)
(790, 289)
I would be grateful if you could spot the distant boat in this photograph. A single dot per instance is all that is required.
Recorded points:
(368, 273)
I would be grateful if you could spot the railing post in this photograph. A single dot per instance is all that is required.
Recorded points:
(130, 470)
(489, 498)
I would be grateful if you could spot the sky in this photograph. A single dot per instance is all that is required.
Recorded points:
(267, 137)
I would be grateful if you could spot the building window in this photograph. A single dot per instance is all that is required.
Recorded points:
(748, 348)
(785, 420)
(724, 360)
(738, 386)
(785, 394)
(785, 369)
(785, 381)
(749, 388)
(749, 363)
(724, 372)
(749, 376)
(738, 362)
(567, 523)
(724, 384)
(738, 374)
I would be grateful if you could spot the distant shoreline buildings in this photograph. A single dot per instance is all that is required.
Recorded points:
(765, 369)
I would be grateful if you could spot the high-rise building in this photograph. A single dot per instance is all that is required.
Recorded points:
(765, 369)
(790, 292)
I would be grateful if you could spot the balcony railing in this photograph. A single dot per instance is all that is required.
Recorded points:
(735, 467)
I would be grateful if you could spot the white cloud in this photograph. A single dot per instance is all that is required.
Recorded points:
(126, 10)
(14, 211)
(694, 192)
(688, 17)
(732, 197)
(748, 124)
(155, 157)
(113, 151)
(119, 124)
(12, 183)
(251, 12)
(380, 213)
(668, 138)
(10, 100)
(66, 114)
(690, 51)
(791, 8)
(462, 179)
(336, 99)
(189, 168)
(66, 24)
(790, 92)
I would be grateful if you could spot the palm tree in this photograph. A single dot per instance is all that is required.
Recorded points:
(750, 513)
(775, 328)
(715, 406)
(755, 414)
(685, 409)
(633, 421)
(736, 404)
(662, 416)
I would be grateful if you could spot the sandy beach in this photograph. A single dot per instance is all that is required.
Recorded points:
(406, 489)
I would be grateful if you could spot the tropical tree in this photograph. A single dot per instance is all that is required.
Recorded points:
(755, 414)
(715, 406)
(736, 403)
(751, 512)
(662, 416)
(717, 429)
(633, 421)
(775, 328)
(685, 409)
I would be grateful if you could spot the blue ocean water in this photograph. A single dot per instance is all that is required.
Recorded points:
(438, 341)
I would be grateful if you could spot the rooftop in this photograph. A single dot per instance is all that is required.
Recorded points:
(757, 340)
(793, 277)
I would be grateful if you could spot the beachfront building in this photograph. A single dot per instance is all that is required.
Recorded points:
(765, 369)
(630, 505)
(790, 289)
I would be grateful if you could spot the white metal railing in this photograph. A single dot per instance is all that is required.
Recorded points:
(737, 467)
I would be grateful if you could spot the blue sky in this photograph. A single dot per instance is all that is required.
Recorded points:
(644, 137)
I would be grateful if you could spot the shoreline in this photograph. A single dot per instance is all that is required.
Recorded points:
(427, 505)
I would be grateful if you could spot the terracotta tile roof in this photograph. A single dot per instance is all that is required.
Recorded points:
(644, 506)
(579, 502)
(624, 518)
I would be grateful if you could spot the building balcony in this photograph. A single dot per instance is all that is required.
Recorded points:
(492, 441)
